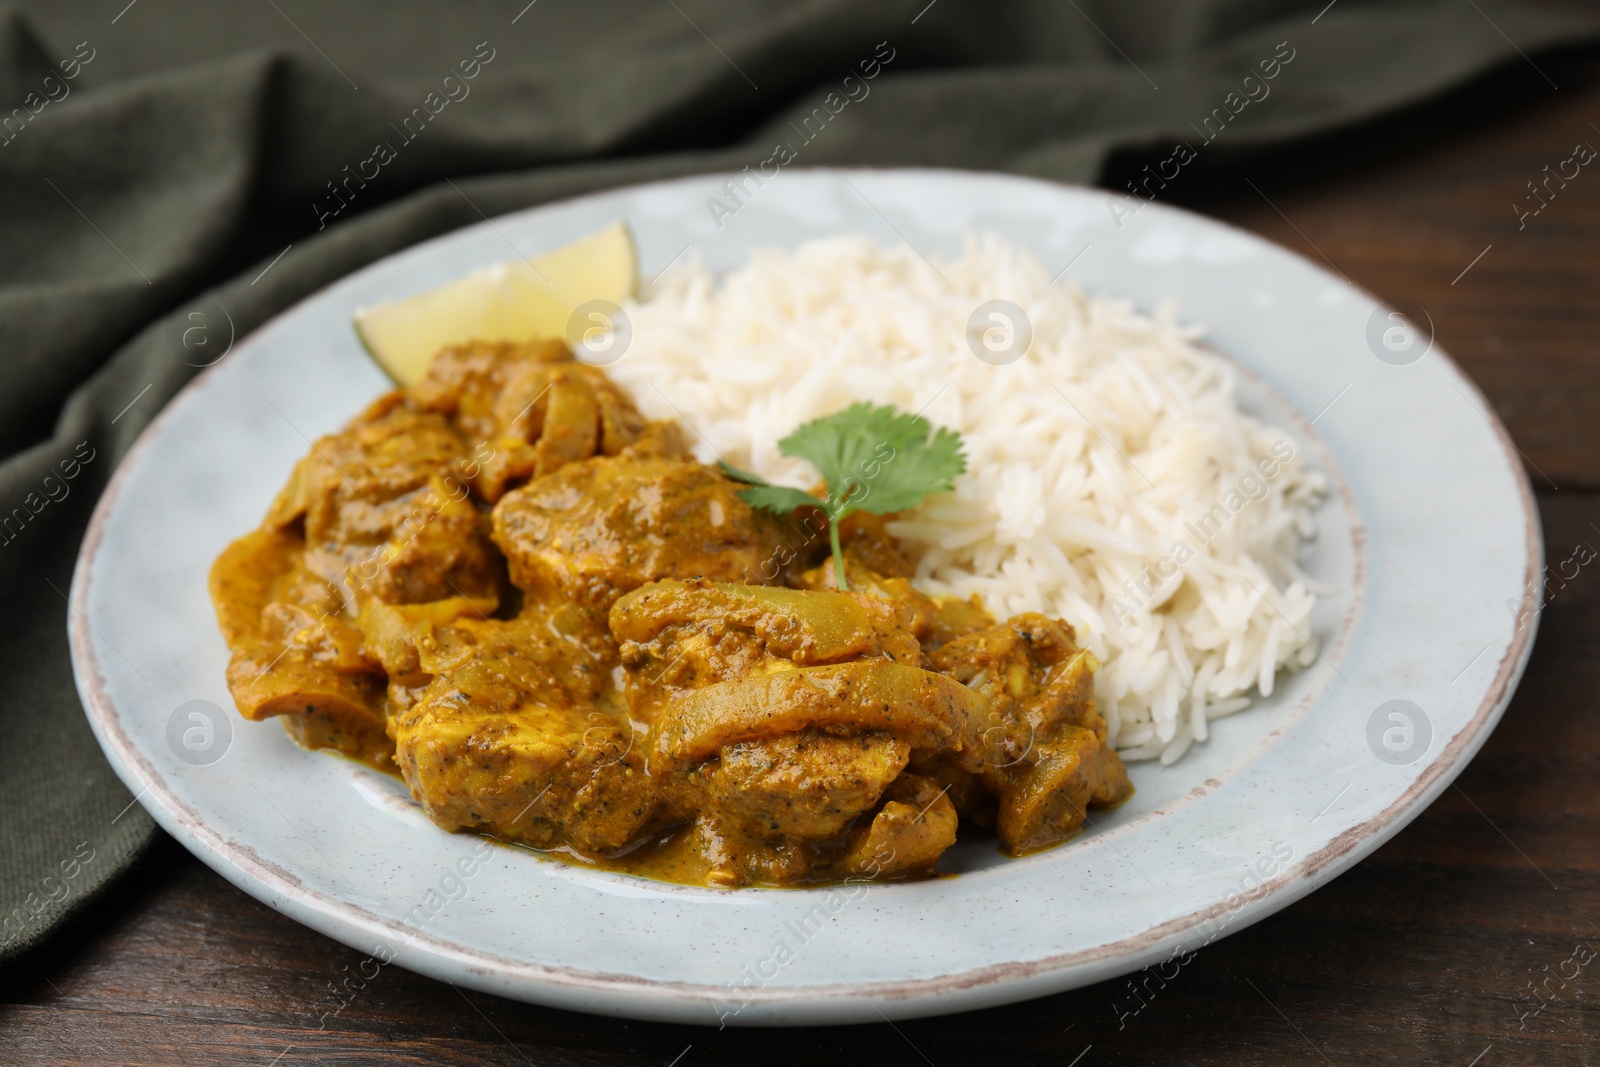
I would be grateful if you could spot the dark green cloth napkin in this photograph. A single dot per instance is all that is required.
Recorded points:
(159, 156)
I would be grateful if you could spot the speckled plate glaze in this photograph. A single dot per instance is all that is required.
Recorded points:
(1429, 536)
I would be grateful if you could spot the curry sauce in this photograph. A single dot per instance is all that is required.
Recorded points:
(561, 630)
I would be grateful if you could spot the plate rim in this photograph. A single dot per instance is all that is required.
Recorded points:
(674, 1000)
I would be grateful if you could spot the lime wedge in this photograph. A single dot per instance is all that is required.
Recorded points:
(518, 300)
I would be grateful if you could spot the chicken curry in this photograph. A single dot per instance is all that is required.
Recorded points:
(563, 631)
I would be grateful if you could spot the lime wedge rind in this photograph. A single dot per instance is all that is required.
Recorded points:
(517, 300)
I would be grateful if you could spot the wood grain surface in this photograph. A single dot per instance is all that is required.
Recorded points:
(1456, 943)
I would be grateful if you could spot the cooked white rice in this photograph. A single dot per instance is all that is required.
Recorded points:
(1087, 457)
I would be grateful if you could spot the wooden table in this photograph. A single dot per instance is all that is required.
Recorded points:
(1425, 953)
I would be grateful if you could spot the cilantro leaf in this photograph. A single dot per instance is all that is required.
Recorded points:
(872, 457)
(877, 459)
(739, 475)
(779, 499)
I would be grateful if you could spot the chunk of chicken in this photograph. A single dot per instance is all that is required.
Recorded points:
(536, 408)
(385, 510)
(1049, 794)
(906, 837)
(518, 735)
(600, 527)
(807, 784)
(677, 636)
(1044, 753)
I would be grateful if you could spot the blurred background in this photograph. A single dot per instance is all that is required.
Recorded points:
(162, 159)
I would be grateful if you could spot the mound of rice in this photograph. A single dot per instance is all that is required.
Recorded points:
(1112, 441)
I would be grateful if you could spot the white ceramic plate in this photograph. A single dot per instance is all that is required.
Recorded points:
(1430, 537)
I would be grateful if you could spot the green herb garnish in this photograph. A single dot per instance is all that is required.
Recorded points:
(873, 458)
